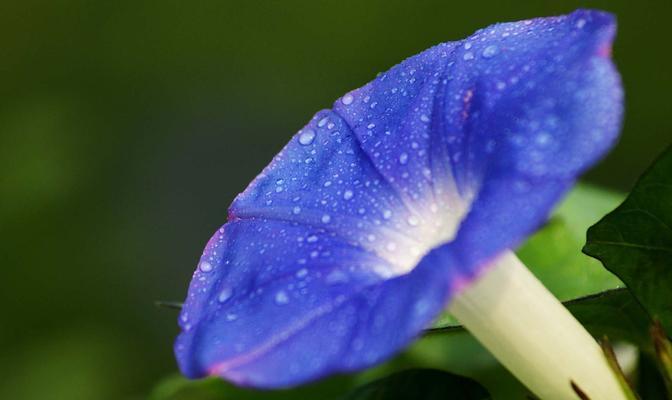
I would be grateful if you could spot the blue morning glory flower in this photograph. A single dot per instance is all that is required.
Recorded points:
(381, 211)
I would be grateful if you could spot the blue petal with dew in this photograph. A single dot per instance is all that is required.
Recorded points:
(378, 211)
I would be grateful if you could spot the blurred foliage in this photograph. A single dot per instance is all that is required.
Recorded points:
(177, 387)
(127, 127)
(425, 384)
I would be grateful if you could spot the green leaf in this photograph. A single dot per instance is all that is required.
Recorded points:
(421, 384)
(554, 256)
(179, 388)
(663, 348)
(635, 240)
(650, 384)
(615, 314)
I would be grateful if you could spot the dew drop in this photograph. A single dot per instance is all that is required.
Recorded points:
(581, 23)
(296, 210)
(281, 298)
(347, 195)
(412, 221)
(347, 99)
(205, 266)
(490, 146)
(322, 122)
(225, 295)
(336, 277)
(387, 214)
(403, 158)
(543, 138)
(424, 118)
(468, 56)
(301, 273)
(326, 218)
(490, 51)
(391, 246)
(306, 137)
(311, 239)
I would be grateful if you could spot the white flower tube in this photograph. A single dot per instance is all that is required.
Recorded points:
(533, 335)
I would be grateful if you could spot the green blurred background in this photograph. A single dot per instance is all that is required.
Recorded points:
(127, 127)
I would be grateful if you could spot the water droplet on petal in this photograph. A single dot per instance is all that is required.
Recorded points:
(231, 317)
(326, 218)
(543, 138)
(311, 239)
(387, 214)
(296, 210)
(322, 122)
(306, 137)
(347, 195)
(424, 118)
(490, 51)
(412, 221)
(301, 273)
(403, 158)
(205, 266)
(281, 298)
(468, 56)
(347, 99)
(336, 277)
(225, 295)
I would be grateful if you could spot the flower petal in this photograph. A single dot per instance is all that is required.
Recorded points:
(276, 303)
(377, 212)
(561, 115)
(323, 179)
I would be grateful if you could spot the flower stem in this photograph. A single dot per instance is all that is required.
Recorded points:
(533, 335)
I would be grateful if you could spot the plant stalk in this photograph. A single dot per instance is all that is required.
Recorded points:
(533, 335)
